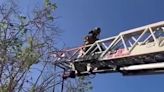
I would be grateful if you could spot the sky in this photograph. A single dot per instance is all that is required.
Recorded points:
(77, 17)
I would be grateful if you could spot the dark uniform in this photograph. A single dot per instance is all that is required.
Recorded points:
(91, 37)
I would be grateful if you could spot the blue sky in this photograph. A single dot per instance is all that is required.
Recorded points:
(77, 17)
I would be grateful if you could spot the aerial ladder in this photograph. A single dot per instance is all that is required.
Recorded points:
(132, 52)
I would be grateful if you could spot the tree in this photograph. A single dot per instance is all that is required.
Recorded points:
(25, 42)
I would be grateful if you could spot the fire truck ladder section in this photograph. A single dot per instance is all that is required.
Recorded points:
(132, 52)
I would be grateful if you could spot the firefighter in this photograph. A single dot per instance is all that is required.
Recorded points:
(92, 37)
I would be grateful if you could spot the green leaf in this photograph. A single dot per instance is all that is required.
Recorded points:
(53, 6)
(21, 27)
(50, 18)
(32, 89)
(3, 25)
(46, 2)
(22, 19)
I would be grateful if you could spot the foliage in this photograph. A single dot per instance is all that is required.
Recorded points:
(24, 42)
